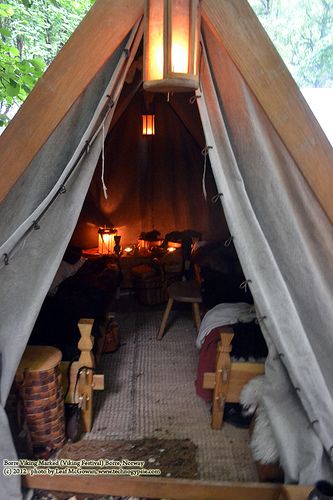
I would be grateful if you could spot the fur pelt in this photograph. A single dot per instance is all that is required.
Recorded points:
(262, 444)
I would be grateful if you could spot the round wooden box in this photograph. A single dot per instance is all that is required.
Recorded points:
(38, 382)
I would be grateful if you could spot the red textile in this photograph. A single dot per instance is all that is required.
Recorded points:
(207, 360)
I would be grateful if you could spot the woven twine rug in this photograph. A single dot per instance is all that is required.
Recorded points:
(149, 404)
(150, 393)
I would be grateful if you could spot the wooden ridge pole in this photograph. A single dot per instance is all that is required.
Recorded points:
(235, 25)
(90, 46)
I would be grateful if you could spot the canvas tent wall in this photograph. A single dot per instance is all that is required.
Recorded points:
(272, 166)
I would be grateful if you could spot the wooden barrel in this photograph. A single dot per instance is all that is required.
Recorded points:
(38, 383)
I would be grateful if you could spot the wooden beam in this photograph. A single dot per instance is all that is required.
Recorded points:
(236, 26)
(186, 116)
(91, 45)
(153, 487)
(293, 492)
(240, 374)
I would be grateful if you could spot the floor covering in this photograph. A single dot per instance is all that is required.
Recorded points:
(150, 393)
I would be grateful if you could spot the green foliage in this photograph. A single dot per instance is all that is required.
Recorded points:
(302, 31)
(31, 34)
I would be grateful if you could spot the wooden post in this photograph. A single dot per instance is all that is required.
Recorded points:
(85, 382)
(86, 343)
(82, 379)
(222, 376)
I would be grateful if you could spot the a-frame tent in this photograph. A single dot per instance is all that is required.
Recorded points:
(273, 168)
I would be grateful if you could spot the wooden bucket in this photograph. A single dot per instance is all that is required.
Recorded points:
(38, 383)
(149, 285)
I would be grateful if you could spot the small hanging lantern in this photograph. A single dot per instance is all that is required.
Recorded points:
(148, 124)
(106, 240)
(171, 45)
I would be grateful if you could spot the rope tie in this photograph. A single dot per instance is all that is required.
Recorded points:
(6, 259)
(331, 453)
(63, 189)
(259, 320)
(312, 423)
(204, 153)
(35, 225)
(194, 98)
(216, 197)
(105, 189)
(297, 389)
(87, 147)
(228, 242)
(243, 286)
(111, 101)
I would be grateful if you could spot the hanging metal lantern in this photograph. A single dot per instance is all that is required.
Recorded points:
(171, 45)
(148, 124)
(106, 240)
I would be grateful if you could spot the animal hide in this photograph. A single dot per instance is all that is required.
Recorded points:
(262, 444)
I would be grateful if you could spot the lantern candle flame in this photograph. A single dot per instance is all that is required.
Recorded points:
(106, 240)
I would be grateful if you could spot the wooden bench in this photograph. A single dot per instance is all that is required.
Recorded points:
(229, 378)
(81, 378)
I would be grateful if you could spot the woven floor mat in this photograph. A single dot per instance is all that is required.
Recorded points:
(150, 392)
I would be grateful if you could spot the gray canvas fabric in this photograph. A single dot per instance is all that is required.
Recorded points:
(285, 244)
(34, 259)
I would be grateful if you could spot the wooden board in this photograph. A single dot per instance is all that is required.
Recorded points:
(156, 487)
(91, 45)
(236, 26)
(240, 375)
(182, 489)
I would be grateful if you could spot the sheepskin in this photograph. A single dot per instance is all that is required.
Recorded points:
(262, 444)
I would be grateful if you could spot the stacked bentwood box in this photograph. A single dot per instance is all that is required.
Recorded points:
(38, 389)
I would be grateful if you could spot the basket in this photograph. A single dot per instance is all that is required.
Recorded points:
(38, 386)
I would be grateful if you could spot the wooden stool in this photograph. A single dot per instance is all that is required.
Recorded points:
(182, 291)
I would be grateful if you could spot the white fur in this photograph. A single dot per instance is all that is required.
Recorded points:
(262, 444)
(251, 395)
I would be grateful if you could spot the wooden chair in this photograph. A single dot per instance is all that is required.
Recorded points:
(182, 291)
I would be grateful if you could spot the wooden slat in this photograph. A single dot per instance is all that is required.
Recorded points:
(241, 374)
(98, 382)
(181, 489)
(81, 58)
(235, 25)
(292, 492)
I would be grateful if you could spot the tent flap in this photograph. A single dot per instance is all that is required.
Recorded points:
(277, 223)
